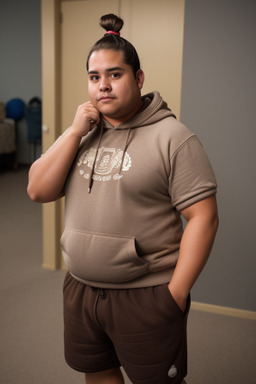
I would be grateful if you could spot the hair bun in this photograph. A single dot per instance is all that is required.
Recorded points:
(111, 22)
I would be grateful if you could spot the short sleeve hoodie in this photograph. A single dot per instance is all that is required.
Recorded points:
(125, 232)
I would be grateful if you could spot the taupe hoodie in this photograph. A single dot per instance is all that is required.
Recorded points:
(125, 231)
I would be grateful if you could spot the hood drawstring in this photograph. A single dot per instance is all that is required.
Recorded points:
(95, 158)
(125, 147)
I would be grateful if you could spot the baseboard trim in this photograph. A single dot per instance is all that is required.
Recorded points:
(49, 267)
(226, 311)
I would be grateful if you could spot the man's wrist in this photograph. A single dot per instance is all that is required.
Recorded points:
(179, 295)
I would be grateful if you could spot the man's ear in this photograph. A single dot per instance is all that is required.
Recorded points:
(140, 78)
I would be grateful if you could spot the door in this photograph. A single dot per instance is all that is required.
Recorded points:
(156, 30)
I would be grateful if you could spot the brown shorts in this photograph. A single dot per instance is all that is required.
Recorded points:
(143, 330)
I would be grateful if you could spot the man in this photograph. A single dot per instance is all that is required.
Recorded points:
(128, 170)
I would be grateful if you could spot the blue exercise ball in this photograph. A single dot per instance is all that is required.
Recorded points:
(15, 109)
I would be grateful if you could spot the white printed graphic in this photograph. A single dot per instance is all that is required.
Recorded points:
(107, 165)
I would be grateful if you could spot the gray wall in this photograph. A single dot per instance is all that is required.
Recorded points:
(20, 64)
(219, 104)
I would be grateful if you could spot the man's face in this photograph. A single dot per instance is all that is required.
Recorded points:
(112, 87)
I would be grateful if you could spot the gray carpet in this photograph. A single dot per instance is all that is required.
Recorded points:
(222, 350)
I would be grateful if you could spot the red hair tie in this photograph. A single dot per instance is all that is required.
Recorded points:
(112, 32)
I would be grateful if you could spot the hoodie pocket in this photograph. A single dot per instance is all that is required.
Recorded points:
(100, 257)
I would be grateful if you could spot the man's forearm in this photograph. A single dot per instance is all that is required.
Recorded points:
(48, 174)
(195, 248)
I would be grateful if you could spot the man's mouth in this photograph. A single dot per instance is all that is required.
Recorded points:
(105, 98)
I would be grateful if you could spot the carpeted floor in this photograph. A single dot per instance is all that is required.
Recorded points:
(222, 350)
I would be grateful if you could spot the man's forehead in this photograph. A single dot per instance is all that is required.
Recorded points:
(106, 60)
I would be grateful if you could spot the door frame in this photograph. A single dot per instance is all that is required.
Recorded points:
(51, 101)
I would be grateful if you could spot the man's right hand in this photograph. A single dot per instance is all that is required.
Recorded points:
(86, 118)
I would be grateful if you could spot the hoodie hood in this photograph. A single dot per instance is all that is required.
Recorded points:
(154, 109)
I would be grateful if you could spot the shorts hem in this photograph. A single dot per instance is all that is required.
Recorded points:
(82, 370)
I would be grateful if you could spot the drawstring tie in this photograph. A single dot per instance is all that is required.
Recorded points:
(125, 147)
(95, 158)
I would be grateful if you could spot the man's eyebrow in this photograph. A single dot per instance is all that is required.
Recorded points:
(107, 70)
(114, 69)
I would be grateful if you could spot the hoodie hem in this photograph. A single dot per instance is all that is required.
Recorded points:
(149, 280)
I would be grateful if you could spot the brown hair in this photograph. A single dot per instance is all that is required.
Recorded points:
(114, 42)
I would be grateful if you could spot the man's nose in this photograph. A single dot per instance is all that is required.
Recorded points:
(105, 85)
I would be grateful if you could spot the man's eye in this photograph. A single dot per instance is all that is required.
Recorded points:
(94, 77)
(115, 75)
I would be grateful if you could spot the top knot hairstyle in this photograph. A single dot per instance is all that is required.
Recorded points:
(112, 41)
(111, 23)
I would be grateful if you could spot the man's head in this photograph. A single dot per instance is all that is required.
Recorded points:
(114, 86)
(112, 40)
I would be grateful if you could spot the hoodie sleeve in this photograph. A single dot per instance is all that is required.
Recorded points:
(192, 178)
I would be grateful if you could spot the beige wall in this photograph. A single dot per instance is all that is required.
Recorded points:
(156, 30)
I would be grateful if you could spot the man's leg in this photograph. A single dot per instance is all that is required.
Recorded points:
(110, 376)
(148, 333)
